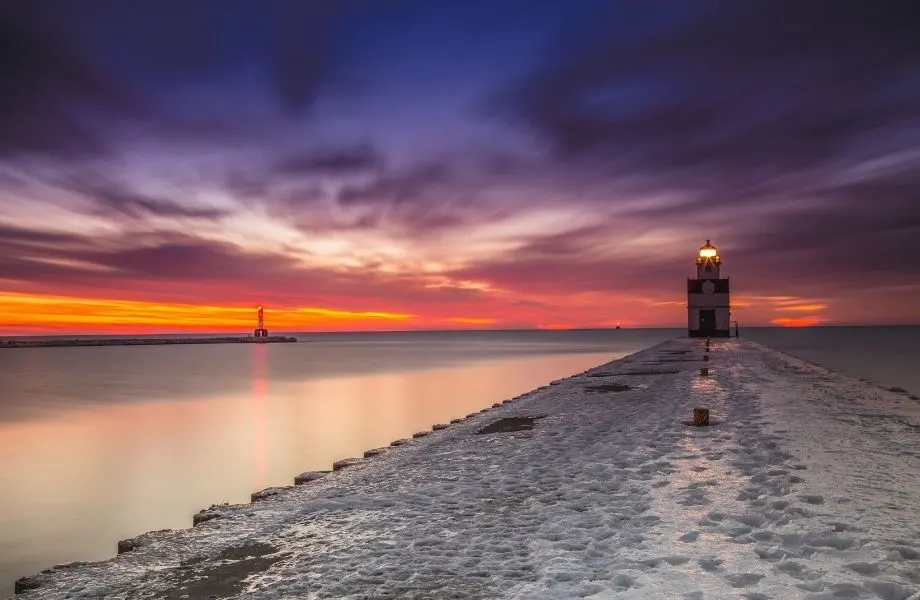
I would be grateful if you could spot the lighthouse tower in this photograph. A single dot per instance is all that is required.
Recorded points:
(708, 307)
(260, 331)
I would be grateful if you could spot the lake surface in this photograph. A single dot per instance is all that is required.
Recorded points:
(885, 355)
(101, 444)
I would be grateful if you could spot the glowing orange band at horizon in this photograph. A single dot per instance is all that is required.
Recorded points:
(37, 313)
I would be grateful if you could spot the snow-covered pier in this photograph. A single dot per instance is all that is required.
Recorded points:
(805, 485)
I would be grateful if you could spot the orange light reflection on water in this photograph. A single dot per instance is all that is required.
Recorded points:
(259, 413)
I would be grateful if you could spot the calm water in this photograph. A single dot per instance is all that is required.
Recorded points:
(101, 444)
(887, 355)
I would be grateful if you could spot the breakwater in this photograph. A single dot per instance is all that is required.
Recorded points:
(71, 342)
(598, 484)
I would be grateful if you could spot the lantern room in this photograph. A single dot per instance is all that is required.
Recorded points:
(708, 262)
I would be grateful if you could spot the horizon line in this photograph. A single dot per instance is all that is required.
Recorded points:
(485, 330)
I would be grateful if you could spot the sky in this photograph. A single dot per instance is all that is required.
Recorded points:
(423, 164)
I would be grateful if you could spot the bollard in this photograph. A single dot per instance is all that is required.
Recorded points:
(24, 584)
(308, 476)
(704, 371)
(345, 463)
(706, 357)
(700, 417)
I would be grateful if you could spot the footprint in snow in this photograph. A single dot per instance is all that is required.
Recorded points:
(812, 498)
(710, 564)
(690, 537)
(738, 580)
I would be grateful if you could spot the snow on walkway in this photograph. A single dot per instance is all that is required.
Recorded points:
(806, 487)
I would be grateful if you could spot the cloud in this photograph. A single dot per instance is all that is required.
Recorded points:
(78, 79)
(736, 92)
(107, 195)
(13, 235)
(342, 160)
(408, 185)
(52, 95)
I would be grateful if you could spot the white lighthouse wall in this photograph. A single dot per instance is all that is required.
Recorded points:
(693, 319)
(723, 319)
(702, 273)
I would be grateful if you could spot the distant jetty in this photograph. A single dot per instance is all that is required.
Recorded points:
(59, 343)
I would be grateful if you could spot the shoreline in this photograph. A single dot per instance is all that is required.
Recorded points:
(77, 342)
(595, 479)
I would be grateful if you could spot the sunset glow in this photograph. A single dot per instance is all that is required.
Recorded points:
(809, 321)
(564, 171)
(39, 314)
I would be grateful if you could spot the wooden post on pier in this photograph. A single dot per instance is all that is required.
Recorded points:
(704, 371)
(700, 417)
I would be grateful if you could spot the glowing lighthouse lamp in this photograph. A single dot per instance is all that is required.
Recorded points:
(260, 331)
(708, 306)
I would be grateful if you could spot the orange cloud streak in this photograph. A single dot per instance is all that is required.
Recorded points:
(803, 307)
(808, 321)
(471, 321)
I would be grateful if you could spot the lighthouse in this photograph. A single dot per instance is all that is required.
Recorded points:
(708, 306)
(260, 331)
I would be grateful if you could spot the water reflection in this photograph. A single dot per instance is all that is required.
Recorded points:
(259, 408)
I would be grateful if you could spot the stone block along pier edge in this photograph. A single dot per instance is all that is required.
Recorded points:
(802, 484)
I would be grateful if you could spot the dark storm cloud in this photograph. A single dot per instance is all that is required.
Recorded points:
(332, 161)
(758, 87)
(400, 187)
(20, 235)
(862, 233)
(290, 42)
(190, 259)
(112, 262)
(73, 72)
(568, 263)
(424, 200)
(109, 196)
(270, 183)
(51, 93)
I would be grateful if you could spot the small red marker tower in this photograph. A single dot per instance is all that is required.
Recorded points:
(260, 331)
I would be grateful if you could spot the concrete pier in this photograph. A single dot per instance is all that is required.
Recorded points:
(804, 485)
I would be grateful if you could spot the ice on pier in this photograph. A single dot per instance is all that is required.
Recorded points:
(806, 487)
